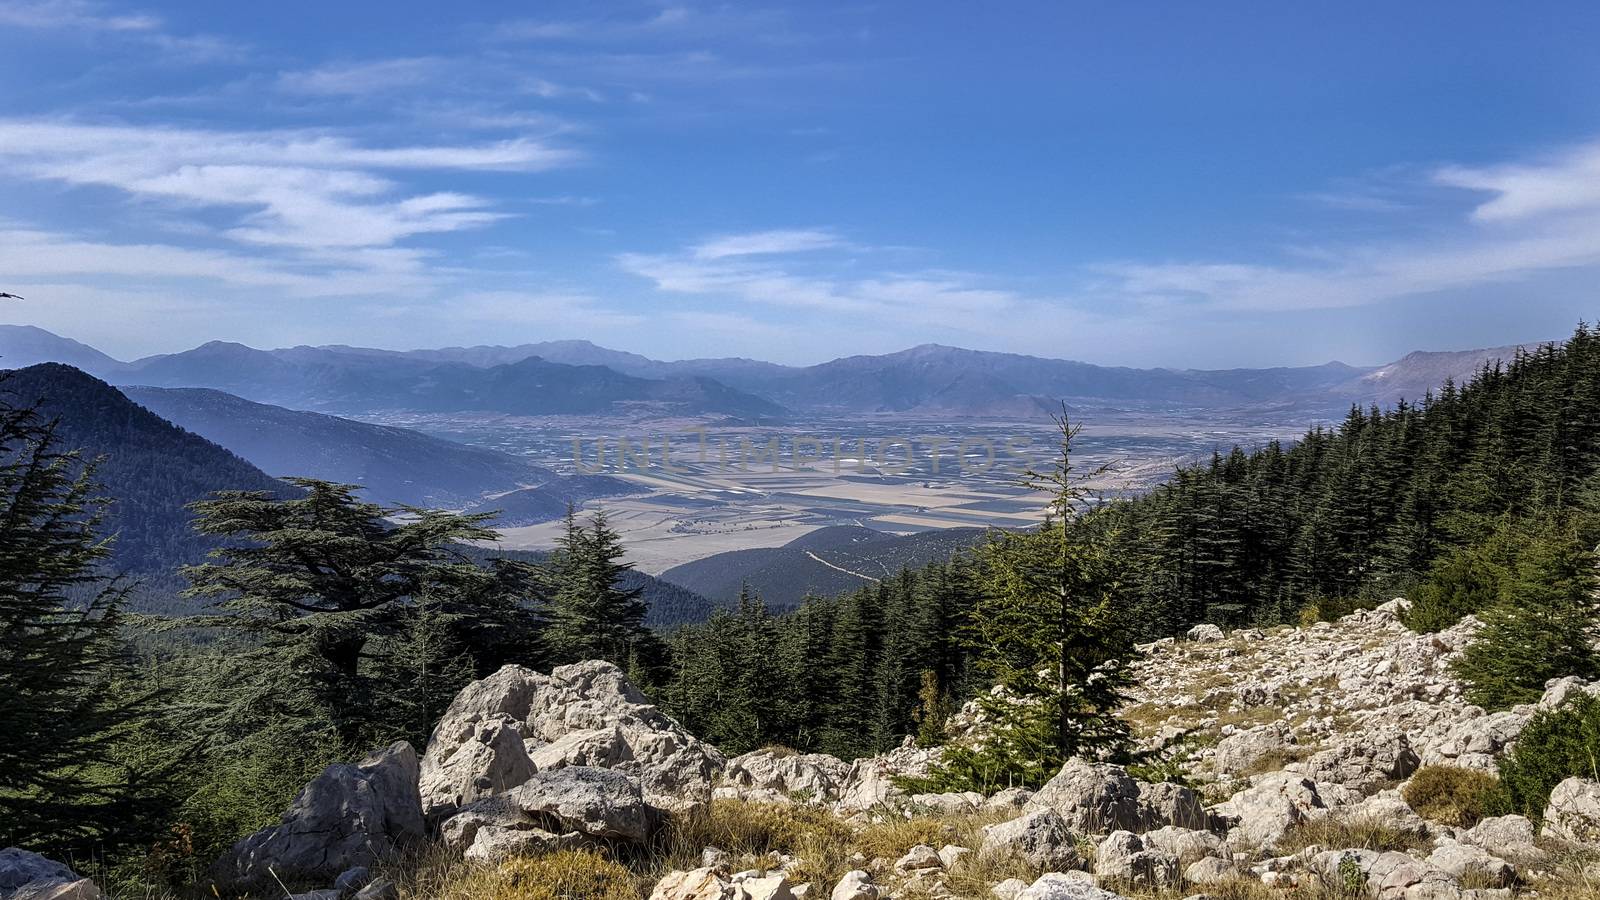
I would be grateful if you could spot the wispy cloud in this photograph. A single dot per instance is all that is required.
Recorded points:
(84, 18)
(363, 78)
(765, 243)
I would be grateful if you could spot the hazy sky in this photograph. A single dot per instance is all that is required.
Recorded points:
(1187, 184)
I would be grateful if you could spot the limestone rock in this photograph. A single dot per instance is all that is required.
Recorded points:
(1184, 843)
(1123, 859)
(773, 776)
(350, 815)
(919, 858)
(1041, 837)
(1244, 751)
(1504, 836)
(1573, 814)
(1364, 762)
(1092, 797)
(695, 884)
(871, 780)
(1168, 804)
(1209, 870)
(1269, 808)
(1066, 886)
(1205, 633)
(19, 868)
(587, 714)
(1464, 860)
(855, 885)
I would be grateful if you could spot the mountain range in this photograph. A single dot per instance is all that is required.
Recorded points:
(581, 378)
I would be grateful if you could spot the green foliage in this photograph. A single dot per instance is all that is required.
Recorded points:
(1556, 745)
(592, 615)
(1381, 503)
(1540, 625)
(1045, 627)
(1451, 795)
(67, 774)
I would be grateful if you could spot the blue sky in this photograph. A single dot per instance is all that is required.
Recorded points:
(1177, 184)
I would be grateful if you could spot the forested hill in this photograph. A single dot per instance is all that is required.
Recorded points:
(1369, 509)
(151, 468)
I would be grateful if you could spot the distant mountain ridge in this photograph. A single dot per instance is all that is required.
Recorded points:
(573, 377)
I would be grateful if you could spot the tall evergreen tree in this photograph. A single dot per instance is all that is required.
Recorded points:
(60, 652)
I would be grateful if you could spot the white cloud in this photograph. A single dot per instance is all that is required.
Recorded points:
(362, 78)
(762, 243)
(296, 188)
(1563, 183)
(71, 14)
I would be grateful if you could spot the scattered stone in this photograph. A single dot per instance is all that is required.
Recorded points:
(379, 889)
(778, 776)
(919, 858)
(1092, 797)
(950, 855)
(352, 880)
(855, 885)
(695, 884)
(1005, 890)
(1066, 886)
(1274, 804)
(1510, 837)
(1122, 859)
(1209, 870)
(1464, 860)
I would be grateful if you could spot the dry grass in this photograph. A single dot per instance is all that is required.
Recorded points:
(562, 875)
(1363, 833)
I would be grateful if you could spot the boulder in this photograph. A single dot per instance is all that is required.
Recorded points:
(1009, 889)
(762, 887)
(552, 810)
(1558, 691)
(871, 780)
(1245, 751)
(777, 776)
(1123, 859)
(350, 815)
(1066, 886)
(19, 868)
(587, 715)
(1365, 762)
(1008, 800)
(1573, 813)
(1041, 837)
(1210, 870)
(1205, 633)
(947, 804)
(1185, 843)
(919, 858)
(1462, 861)
(1276, 802)
(952, 855)
(1168, 804)
(856, 885)
(1092, 797)
(1396, 875)
(695, 884)
(1510, 837)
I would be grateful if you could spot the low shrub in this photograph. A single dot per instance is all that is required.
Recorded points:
(1556, 745)
(1362, 833)
(1451, 795)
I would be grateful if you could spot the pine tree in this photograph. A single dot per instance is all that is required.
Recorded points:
(1542, 626)
(591, 615)
(61, 657)
(1045, 628)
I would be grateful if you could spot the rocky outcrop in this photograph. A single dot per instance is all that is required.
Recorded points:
(350, 815)
(1122, 858)
(1274, 803)
(587, 714)
(553, 809)
(778, 776)
(871, 780)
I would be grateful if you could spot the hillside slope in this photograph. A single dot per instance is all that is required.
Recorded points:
(150, 466)
(823, 563)
(395, 465)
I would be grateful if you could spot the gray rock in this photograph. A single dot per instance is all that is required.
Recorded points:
(1066, 886)
(1364, 762)
(1009, 889)
(772, 776)
(1210, 870)
(379, 889)
(49, 889)
(1510, 837)
(1008, 799)
(695, 884)
(1274, 804)
(352, 880)
(1092, 797)
(1462, 860)
(1041, 837)
(586, 714)
(600, 803)
(1123, 859)
(1245, 751)
(1185, 843)
(20, 867)
(1166, 803)
(1205, 633)
(350, 815)
(856, 885)
(1573, 813)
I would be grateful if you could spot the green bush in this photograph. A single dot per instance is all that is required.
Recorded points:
(1557, 745)
(1451, 795)
(1464, 582)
